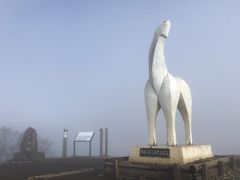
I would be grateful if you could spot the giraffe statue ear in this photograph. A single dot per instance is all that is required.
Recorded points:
(165, 28)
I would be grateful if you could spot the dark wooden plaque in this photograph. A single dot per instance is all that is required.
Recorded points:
(155, 152)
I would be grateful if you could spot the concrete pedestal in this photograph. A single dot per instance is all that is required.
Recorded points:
(170, 154)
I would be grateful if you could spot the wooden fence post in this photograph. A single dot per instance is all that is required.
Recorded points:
(177, 172)
(232, 163)
(116, 169)
(220, 168)
(204, 171)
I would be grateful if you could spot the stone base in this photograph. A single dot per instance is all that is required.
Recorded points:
(28, 156)
(170, 154)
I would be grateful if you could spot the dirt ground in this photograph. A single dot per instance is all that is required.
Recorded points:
(23, 170)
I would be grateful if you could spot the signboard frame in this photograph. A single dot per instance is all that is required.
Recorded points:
(89, 135)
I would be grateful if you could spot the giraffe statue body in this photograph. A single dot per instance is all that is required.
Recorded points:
(166, 92)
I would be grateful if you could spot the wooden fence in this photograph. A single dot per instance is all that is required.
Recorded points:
(201, 170)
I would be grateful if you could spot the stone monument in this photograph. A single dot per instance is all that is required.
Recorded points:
(29, 147)
(168, 93)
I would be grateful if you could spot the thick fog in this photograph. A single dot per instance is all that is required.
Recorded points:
(82, 65)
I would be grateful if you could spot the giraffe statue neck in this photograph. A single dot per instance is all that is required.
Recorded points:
(157, 67)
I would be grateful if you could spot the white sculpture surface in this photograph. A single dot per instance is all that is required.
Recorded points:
(166, 92)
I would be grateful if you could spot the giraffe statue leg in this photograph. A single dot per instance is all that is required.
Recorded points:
(169, 96)
(152, 107)
(185, 109)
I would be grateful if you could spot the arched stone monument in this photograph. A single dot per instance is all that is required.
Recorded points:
(29, 147)
(169, 94)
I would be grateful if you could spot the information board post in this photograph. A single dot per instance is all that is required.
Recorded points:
(65, 136)
(74, 146)
(106, 141)
(90, 148)
(103, 141)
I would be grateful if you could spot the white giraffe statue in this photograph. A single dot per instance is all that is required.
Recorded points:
(166, 92)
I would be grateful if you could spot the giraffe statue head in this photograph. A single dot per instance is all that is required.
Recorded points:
(163, 29)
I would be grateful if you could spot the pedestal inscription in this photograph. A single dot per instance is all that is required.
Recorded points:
(155, 152)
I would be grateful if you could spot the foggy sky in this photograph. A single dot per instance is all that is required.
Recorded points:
(82, 65)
